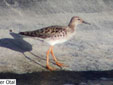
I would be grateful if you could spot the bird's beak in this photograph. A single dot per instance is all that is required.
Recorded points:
(85, 22)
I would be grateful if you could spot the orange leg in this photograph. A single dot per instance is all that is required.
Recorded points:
(57, 63)
(47, 62)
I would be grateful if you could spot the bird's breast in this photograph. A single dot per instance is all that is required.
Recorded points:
(59, 38)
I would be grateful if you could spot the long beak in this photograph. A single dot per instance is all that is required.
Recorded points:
(85, 22)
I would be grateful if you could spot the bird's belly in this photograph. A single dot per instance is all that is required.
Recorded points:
(58, 40)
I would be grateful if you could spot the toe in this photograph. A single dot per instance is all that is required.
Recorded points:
(61, 64)
(50, 68)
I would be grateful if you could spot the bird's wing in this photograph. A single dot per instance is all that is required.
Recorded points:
(44, 32)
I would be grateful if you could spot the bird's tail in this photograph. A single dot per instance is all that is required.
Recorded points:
(28, 33)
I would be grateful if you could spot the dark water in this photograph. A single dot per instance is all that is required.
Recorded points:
(62, 78)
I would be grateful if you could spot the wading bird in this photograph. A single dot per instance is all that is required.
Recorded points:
(55, 35)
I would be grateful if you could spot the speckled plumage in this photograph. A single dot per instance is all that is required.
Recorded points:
(52, 34)
(46, 32)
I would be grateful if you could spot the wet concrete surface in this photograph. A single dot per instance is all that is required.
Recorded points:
(62, 78)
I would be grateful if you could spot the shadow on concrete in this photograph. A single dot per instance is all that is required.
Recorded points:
(18, 44)
(57, 77)
(34, 61)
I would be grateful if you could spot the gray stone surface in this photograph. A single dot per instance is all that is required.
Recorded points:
(90, 49)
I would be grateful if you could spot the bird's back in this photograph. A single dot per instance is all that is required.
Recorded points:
(46, 32)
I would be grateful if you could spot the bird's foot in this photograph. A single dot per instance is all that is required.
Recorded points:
(60, 64)
(50, 68)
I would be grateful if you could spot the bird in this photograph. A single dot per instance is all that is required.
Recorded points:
(55, 35)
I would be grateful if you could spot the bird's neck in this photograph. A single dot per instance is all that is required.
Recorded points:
(72, 26)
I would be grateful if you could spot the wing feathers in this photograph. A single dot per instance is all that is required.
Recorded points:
(44, 32)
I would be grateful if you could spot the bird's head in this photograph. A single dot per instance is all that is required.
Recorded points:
(77, 20)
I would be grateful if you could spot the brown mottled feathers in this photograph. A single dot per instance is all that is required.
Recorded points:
(46, 32)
